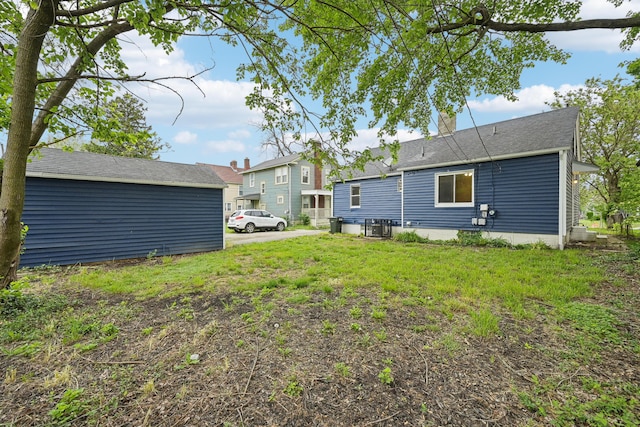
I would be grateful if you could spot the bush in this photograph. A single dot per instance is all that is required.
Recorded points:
(304, 219)
(410, 237)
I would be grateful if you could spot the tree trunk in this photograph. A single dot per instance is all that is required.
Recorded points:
(37, 25)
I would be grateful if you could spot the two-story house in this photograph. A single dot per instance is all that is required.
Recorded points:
(288, 186)
(234, 190)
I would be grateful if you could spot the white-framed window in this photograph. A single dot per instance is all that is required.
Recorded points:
(252, 179)
(263, 187)
(306, 202)
(280, 200)
(355, 195)
(282, 175)
(227, 206)
(399, 185)
(240, 190)
(305, 174)
(454, 189)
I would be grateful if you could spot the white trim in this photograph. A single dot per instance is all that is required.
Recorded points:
(302, 169)
(562, 199)
(351, 206)
(402, 201)
(436, 186)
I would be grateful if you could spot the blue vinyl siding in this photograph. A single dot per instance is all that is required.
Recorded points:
(524, 192)
(81, 221)
(379, 198)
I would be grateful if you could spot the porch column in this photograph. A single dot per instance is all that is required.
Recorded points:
(315, 208)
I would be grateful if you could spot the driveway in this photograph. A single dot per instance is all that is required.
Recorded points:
(233, 239)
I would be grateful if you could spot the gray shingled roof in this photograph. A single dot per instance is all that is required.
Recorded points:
(78, 165)
(546, 132)
(279, 161)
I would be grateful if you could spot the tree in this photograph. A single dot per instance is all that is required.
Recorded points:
(122, 130)
(610, 135)
(401, 58)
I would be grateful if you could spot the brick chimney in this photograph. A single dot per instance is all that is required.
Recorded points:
(247, 165)
(446, 124)
(234, 165)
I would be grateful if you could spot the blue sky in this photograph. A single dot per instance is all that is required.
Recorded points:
(214, 126)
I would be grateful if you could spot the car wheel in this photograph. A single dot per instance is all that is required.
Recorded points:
(280, 226)
(250, 227)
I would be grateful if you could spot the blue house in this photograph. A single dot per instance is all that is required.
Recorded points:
(516, 180)
(85, 207)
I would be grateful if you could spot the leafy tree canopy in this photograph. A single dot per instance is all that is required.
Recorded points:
(610, 134)
(121, 129)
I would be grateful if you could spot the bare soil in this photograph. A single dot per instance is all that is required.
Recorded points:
(262, 361)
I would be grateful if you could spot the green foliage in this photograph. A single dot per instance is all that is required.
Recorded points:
(304, 219)
(484, 323)
(293, 387)
(121, 130)
(610, 140)
(608, 404)
(69, 408)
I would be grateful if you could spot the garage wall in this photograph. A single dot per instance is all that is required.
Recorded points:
(82, 221)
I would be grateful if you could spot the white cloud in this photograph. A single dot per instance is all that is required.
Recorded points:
(530, 100)
(226, 146)
(600, 39)
(185, 138)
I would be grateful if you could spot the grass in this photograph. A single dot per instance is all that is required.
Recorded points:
(361, 295)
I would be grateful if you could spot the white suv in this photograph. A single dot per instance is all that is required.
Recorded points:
(251, 220)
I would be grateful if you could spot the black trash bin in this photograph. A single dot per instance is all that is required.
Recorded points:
(335, 225)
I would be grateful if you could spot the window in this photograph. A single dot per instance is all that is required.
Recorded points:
(227, 206)
(282, 176)
(263, 187)
(252, 179)
(240, 190)
(306, 174)
(305, 202)
(399, 185)
(280, 200)
(355, 196)
(454, 189)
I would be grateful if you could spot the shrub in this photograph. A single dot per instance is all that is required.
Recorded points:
(304, 219)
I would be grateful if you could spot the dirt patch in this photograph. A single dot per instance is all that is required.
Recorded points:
(353, 358)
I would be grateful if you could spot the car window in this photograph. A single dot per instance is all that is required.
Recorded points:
(235, 214)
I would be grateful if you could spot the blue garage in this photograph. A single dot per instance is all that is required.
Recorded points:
(84, 207)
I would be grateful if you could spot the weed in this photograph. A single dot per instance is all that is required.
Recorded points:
(328, 328)
(342, 369)
(26, 350)
(62, 377)
(69, 408)
(285, 351)
(380, 335)
(356, 327)
(147, 331)
(379, 314)
(484, 323)
(293, 387)
(10, 375)
(365, 340)
(355, 312)
(385, 376)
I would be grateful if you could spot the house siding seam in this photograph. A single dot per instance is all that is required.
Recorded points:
(86, 221)
(379, 199)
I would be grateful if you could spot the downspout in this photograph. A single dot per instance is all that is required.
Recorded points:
(562, 201)
(289, 185)
(402, 201)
